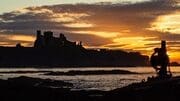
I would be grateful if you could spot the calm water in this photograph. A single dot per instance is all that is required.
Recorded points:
(89, 82)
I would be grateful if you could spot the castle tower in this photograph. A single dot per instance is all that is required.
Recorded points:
(48, 39)
(39, 40)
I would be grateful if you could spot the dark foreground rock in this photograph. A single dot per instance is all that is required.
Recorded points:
(34, 89)
(157, 90)
(90, 72)
(22, 72)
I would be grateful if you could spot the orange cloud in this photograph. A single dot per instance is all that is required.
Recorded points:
(167, 23)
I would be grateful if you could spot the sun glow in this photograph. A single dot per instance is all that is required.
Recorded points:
(99, 33)
(167, 23)
(22, 38)
(25, 40)
(79, 25)
(174, 56)
(133, 42)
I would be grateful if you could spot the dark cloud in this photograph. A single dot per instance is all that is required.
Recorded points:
(113, 17)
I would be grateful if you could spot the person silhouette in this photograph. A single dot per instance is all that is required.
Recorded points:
(154, 60)
(160, 61)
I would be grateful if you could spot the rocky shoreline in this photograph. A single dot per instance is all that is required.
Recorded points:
(72, 72)
(35, 89)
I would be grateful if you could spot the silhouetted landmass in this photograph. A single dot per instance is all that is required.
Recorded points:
(59, 52)
(37, 82)
(35, 89)
(72, 72)
(174, 64)
(90, 72)
(22, 72)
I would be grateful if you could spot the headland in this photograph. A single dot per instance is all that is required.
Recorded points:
(50, 51)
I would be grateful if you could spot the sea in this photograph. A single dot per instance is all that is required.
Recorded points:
(89, 82)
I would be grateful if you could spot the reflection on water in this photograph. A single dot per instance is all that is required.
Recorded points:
(101, 82)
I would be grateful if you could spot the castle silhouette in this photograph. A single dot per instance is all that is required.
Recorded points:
(60, 52)
(49, 41)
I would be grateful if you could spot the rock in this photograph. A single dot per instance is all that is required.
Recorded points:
(161, 90)
(37, 82)
(90, 72)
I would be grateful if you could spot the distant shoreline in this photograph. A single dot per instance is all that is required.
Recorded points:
(52, 51)
(68, 66)
(75, 66)
(73, 72)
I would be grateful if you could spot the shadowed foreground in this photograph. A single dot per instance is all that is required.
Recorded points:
(34, 89)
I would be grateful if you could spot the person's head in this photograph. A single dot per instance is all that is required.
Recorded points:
(156, 50)
(163, 44)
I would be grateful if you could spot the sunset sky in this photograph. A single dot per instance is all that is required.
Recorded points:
(131, 25)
